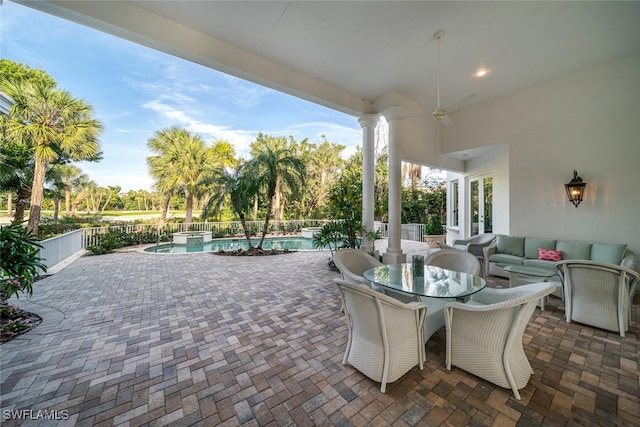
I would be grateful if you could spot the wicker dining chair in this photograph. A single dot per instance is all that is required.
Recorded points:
(352, 263)
(598, 294)
(385, 336)
(455, 260)
(484, 337)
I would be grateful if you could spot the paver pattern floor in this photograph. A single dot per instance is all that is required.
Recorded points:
(131, 339)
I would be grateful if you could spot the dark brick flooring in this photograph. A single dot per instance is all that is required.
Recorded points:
(134, 339)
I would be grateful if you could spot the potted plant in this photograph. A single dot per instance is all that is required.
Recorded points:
(19, 263)
(434, 230)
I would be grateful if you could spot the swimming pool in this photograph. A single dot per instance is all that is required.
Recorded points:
(290, 243)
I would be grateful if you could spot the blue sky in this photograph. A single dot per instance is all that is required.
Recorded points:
(136, 91)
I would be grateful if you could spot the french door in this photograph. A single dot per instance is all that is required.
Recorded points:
(481, 204)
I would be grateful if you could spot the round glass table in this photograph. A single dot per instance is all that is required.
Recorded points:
(434, 286)
(430, 282)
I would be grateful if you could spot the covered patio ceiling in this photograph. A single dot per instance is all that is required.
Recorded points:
(362, 57)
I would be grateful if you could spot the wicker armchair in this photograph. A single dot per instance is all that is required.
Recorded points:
(598, 294)
(455, 260)
(385, 335)
(474, 244)
(352, 263)
(450, 259)
(484, 337)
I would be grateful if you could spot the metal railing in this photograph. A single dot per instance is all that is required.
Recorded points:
(416, 232)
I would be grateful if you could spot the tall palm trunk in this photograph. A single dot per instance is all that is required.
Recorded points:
(255, 208)
(37, 194)
(67, 200)
(22, 201)
(165, 208)
(266, 222)
(189, 208)
(277, 209)
(56, 209)
(247, 233)
(9, 203)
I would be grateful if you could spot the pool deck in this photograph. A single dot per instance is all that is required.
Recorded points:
(132, 339)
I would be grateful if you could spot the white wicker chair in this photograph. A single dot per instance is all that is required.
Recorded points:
(385, 335)
(450, 259)
(352, 263)
(455, 260)
(598, 294)
(475, 244)
(485, 337)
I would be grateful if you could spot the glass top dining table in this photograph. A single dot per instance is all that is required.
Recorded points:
(432, 281)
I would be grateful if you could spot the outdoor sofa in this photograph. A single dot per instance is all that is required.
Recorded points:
(543, 253)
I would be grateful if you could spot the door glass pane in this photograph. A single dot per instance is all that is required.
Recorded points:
(488, 205)
(475, 206)
(455, 204)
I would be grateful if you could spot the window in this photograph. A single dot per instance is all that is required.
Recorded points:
(454, 203)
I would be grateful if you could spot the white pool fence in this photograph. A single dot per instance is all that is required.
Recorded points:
(59, 248)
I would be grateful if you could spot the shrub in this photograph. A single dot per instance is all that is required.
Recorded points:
(117, 237)
(20, 262)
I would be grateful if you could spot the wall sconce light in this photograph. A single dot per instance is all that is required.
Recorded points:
(575, 189)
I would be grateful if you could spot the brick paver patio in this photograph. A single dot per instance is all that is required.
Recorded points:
(141, 339)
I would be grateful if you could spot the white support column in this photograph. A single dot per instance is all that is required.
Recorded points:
(394, 254)
(368, 124)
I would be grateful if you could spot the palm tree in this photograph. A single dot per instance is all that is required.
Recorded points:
(84, 187)
(274, 167)
(55, 126)
(161, 167)
(224, 183)
(181, 162)
(16, 174)
(56, 188)
(68, 175)
(191, 163)
(113, 191)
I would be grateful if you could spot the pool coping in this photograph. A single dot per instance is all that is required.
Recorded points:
(142, 248)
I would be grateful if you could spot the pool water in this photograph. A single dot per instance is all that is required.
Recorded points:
(290, 243)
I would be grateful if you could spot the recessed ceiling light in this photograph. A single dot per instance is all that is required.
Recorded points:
(480, 72)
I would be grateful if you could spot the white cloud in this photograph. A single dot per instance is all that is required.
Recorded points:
(239, 138)
(347, 136)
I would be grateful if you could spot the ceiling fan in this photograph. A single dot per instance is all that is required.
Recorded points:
(440, 114)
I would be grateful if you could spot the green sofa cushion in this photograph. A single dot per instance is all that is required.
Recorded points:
(574, 250)
(500, 258)
(510, 245)
(532, 244)
(610, 253)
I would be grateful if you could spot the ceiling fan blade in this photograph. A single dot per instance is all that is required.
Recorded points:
(461, 102)
(446, 120)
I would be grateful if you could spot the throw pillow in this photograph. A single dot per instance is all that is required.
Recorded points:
(549, 255)
(532, 244)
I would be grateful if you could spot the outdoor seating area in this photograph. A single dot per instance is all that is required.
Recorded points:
(140, 339)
